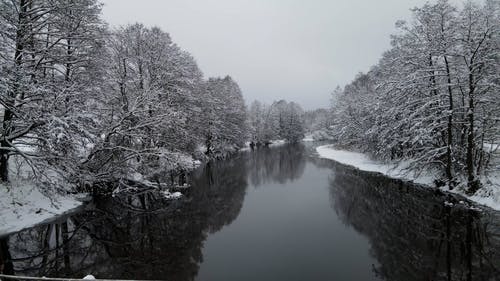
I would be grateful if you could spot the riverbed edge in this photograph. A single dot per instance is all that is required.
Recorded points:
(395, 171)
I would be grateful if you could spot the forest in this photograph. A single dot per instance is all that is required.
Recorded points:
(433, 98)
(120, 158)
(84, 104)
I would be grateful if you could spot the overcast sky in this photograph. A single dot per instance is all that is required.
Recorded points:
(298, 50)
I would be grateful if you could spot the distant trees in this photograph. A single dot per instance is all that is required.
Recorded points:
(291, 120)
(280, 120)
(353, 114)
(223, 116)
(433, 97)
(317, 119)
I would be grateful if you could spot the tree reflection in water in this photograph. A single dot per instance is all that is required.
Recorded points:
(141, 236)
(413, 234)
(278, 164)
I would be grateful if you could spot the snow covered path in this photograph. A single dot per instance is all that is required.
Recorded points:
(490, 198)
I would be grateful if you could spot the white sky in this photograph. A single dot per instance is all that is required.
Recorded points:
(298, 50)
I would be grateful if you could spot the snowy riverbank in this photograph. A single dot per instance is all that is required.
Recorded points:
(489, 196)
(23, 205)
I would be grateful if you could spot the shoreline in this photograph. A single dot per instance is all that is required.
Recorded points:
(19, 213)
(397, 171)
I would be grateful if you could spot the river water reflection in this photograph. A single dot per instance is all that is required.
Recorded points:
(271, 214)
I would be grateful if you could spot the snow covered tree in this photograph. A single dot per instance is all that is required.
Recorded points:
(151, 92)
(352, 114)
(271, 124)
(256, 121)
(419, 88)
(280, 120)
(479, 46)
(82, 105)
(49, 64)
(292, 123)
(317, 119)
(225, 116)
(431, 98)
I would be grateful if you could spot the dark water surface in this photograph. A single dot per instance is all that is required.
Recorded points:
(271, 214)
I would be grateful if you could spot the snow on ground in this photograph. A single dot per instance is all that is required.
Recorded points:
(363, 162)
(171, 196)
(319, 135)
(277, 143)
(246, 147)
(308, 137)
(490, 195)
(22, 205)
(273, 143)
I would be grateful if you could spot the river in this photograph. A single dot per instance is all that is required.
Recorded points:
(271, 214)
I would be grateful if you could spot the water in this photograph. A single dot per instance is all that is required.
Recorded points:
(271, 214)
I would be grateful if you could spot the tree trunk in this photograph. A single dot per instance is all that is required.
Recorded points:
(65, 241)
(472, 183)
(449, 133)
(208, 144)
(69, 52)
(123, 86)
(10, 101)
(6, 266)
(4, 154)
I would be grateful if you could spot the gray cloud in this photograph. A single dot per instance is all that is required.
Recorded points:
(291, 49)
